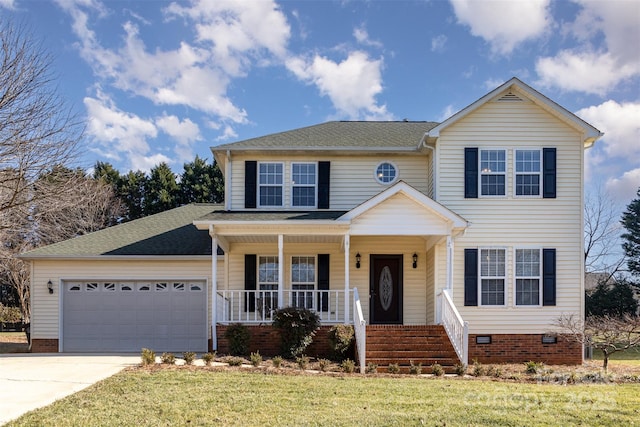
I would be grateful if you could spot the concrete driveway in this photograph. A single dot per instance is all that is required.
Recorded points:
(30, 381)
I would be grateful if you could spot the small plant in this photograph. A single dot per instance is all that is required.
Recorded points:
(372, 368)
(393, 368)
(303, 362)
(532, 367)
(348, 366)
(460, 369)
(323, 364)
(341, 337)
(297, 328)
(234, 361)
(168, 358)
(415, 369)
(208, 358)
(478, 369)
(238, 336)
(189, 357)
(494, 371)
(437, 370)
(256, 359)
(148, 357)
(276, 361)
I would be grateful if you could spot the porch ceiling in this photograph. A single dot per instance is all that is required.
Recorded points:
(273, 238)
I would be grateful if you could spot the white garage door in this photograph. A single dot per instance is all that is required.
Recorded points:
(126, 316)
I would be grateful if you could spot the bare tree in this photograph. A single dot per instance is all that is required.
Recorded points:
(37, 130)
(602, 231)
(605, 333)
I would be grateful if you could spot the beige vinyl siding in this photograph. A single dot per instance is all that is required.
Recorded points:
(46, 307)
(352, 177)
(430, 286)
(499, 221)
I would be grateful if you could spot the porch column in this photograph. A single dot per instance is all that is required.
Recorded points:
(449, 263)
(347, 259)
(280, 271)
(214, 287)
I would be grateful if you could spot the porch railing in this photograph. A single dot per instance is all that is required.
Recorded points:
(360, 329)
(241, 306)
(457, 329)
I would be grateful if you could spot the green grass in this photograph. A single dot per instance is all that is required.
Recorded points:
(630, 357)
(179, 396)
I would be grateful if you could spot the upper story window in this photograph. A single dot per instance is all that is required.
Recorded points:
(528, 267)
(493, 172)
(386, 173)
(303, 183)
(492, 276)
(528, 170)
(270, 184)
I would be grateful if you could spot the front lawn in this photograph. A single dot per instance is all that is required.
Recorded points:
(238, 396)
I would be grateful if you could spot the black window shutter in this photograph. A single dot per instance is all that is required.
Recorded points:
(324, 173)
(471, 173)
(470, 277)
(548, 277)
(549, 173)
(250, 183)
(323, 281)
(250, 282)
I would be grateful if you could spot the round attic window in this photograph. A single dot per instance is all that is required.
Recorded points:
(386, 173)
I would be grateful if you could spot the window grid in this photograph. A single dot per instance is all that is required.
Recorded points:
(493, 172)
(303, 181)
(270, 183)
(268, 273)
(527, 169)
(527, 269)
(303, 278)
(492, 274)
(386, 173)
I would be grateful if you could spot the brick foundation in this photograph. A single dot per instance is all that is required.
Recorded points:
(44, 345)
(266, 340)
(521, 348)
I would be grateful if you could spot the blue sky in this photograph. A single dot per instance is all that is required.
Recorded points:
(164, 81)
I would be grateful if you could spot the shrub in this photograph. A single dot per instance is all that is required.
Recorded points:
(297, 327)
(478, 369)
(10, 314)
(323, 364)
(494, 371)
(460, 369)
(532, 367)
(189, 357)
(415, 369)
(168, 358)
(256, 359)
(148, 357)
(393, 368)
(303, 362)
(234, 361)
(238, 336)
(208, 358)
(348, 366)
(277, 361)
(341, 337)
(437, 370)
(372, 368)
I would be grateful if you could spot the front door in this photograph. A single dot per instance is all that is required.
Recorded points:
(385, 289)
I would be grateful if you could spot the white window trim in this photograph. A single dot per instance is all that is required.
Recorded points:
(258, 272)
(292, 185)
(516, 277)
(315, 259)
(480, 277)
(505, 173)
(375, 173)
(515, 174)
(258, 185)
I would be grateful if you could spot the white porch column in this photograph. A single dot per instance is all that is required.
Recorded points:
(214, 287)
(280, 271)
(449, 263)
(347, 259)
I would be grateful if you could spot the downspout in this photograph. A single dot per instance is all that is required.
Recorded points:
(434, 165)
(227, 181)
(214, 287)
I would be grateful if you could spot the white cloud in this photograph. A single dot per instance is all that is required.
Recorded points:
(362, 36)
(504, 24)
(625, 188)
(146, 163)
(438, 43)
(185, 132)
(351, 85)
(8, 4)
(448, 111)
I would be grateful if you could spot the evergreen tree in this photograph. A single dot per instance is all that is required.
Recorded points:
(132, 193)
(631, 245)
(201, 183)
(613, 300)
(161, 192)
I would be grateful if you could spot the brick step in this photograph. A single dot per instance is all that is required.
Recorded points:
(404, 348)
(447, 363)
(407, 340)
(408, 354)
(425, 369)
(408, 332)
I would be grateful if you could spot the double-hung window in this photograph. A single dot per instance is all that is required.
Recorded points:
(493, 172)
(303, 280)
(528, 170)
(270, 184)
(528, 267)
(492, 276)
(267, 283)
(303, 184)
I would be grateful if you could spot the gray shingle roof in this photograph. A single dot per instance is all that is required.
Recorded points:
(221, 215)
(168, 233)
(340, 135)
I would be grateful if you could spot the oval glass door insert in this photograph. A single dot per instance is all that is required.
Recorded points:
(385, 288)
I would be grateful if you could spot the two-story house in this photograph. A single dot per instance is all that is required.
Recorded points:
(469, 229)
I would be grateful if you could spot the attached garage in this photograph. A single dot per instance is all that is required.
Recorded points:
(127, 316)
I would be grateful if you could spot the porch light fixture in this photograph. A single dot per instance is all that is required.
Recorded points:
(358, 258)
(415, 260)
(50, 286)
